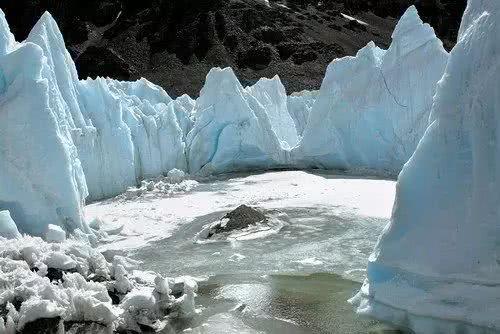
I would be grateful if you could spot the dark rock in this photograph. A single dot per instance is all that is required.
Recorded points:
(177, 290)
(355, 26)
(42, 326)
(54, 274)
(256, 58)
(78, 33)
(174, 43)
(240, 218)
(286, 50)
(301, 57)
(269, 35)
(335, 26)
(102, 61)
(115, 297)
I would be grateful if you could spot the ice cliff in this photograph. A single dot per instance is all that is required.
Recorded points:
(41, 177)
(436, 268)
(123, 131)
(372, 109)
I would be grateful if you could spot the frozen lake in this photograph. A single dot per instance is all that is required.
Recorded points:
(288, 280)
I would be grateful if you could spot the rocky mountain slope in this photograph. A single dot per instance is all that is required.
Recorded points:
(174, 43)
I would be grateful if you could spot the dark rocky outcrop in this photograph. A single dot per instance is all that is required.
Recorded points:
(174, 43)
(238, 219)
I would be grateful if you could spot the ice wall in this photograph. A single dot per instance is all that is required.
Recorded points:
(123, 131)
(271, 94)
(373, 109)
(436, 268)
(233, 130)
(41, 178)
(299, 106)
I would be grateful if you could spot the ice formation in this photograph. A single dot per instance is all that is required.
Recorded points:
(299, 106)
(41, 178)
(372, 109)
(233, 129)
(8, 228)
(271, 95)
(74, 282)
(436, 267)
(97, 138)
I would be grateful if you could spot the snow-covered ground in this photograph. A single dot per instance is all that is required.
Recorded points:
(330, 223)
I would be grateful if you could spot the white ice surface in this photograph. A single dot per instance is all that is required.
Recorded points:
(234, 131)
(350, 18)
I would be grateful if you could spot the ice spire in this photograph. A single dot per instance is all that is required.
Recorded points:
(7, 40)
(47, 35)
(411, 33)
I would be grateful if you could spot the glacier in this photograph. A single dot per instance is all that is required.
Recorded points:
(436, 268)
(64, 141)
(109, 135)
(372, 109)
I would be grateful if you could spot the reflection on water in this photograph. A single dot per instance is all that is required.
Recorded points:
(281, 304)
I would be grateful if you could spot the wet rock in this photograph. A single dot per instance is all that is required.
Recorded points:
(85, 327)
(115, 297)
(238, 219)
(54, 274)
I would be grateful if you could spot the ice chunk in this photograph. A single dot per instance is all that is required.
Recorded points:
(7, 42)
(373, 109)
(436, 267)
(79, 296)
(55, 234)
(8, 228)
(176, 176)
